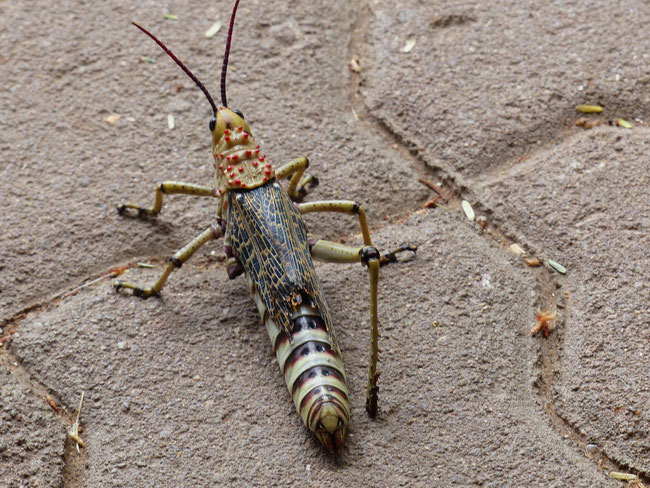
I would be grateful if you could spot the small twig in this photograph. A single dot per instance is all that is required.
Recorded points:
(111, 273)
(73, 431)
(433, 187)
(53, 404)
(432, 202)
(6, 338)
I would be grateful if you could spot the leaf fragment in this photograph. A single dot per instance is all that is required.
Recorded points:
(171, 17)
(112, 119)
(557, 266)
(147, 59)
(624, 124)
(589, 109)
(469, 211)
(532, 262)
(516, 249)
(623, 476)
(408, 47)
(354, 65)
(212, 31)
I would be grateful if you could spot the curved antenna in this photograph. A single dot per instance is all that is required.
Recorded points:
(182, 66)
(225, 56)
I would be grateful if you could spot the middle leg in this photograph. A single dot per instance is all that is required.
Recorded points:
(176, 261)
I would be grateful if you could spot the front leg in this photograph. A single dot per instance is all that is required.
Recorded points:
(176, 261)
(168, 188)
(297, 187)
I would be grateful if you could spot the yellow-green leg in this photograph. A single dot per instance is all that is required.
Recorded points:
(340, 206)
(353, 208)
(297, 187)
(176, 261)
(168, 188)
(330, 251)
(368, 255)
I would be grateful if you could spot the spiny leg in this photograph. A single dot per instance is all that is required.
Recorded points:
(168, 188)
(297, 187)
(354, 208)
(340, 206)
(176, 261)
(368, 255)
(330, 251)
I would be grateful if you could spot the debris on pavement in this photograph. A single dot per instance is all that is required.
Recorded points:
(556, 266)
(73, 431)
(543, 324)
(589, 109)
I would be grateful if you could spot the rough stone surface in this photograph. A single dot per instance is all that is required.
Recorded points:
(31, 442)
(184, 390)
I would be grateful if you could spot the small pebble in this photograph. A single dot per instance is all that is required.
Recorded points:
(121, 345)
(591, 448)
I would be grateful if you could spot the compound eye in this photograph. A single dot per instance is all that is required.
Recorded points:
(213, 122)
(238, 112)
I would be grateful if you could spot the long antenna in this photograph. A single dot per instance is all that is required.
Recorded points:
(182, 66)
(225, 56)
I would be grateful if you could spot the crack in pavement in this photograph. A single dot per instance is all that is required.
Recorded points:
(547, 284)
(548, 295)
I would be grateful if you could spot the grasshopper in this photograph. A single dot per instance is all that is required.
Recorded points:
(265, 237)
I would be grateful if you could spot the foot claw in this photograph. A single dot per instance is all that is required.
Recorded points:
(143, 293)
(391, 257)
(307, 182)
(143, 213)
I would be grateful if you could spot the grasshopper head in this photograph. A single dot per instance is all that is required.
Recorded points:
(226, 119)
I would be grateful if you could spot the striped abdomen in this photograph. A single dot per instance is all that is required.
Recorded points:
(313, 370)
